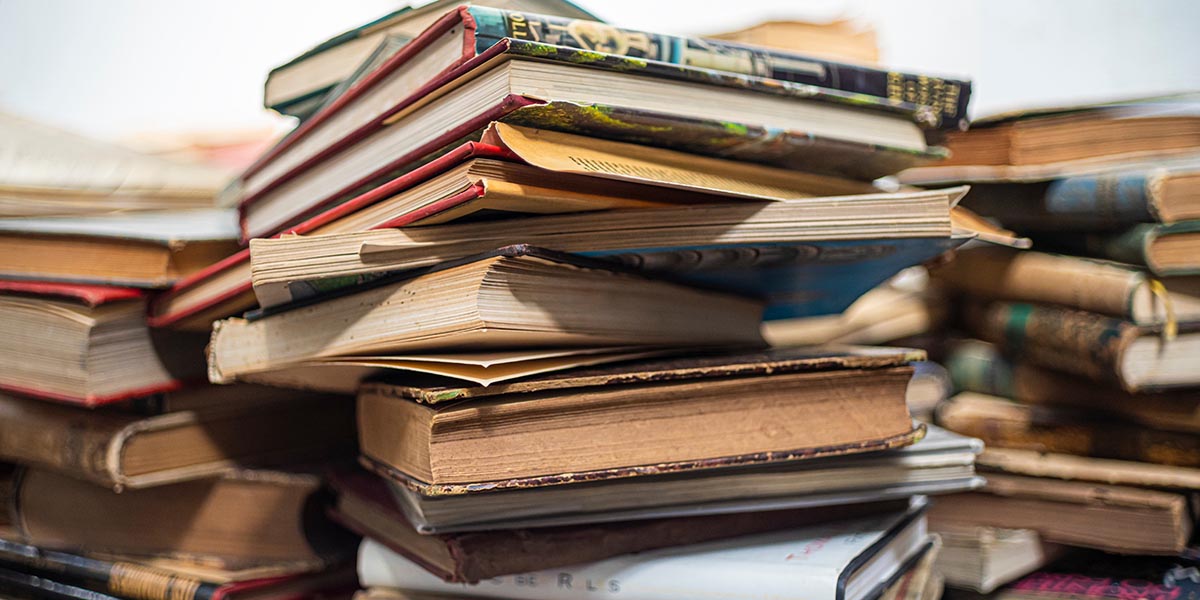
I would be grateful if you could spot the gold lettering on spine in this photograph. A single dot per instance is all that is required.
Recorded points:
(518, 26)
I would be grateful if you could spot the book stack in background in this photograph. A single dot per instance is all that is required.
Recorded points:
(124, 471)
(1082, 373)
(540, 251)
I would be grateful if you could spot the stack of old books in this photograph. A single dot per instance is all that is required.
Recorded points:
(540, 251)
(123, 470)
(1083, 377)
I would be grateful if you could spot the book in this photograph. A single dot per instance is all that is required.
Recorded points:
(1138, 358)
(470, 180)
(365, 506)
(508, 441)
(1120, 519)
(130, 577)
(798, 254)
(981, 368)
(939, 463)
(945, 99)
(119, 450)
(1166, 250)
(984, 558)
(46, 171)
(1108, 200)
(302, 85)
(1007, 424)
(101, 350)
(143, 249)
(241, 518)
(516, 298)
(841, 39)
(1112, 289)
(1080, 468)
(843, 560)
(796, 126)
(1100, 133)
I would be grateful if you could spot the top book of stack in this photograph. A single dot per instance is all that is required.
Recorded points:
(483, 65)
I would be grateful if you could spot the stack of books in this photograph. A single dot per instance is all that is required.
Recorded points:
(123, 471)
(1083, 372)
(540, 250)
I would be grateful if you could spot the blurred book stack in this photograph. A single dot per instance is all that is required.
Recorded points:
(125, 472)
(1081, 371)
(539, 252)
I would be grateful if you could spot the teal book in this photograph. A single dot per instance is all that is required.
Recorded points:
(1093, 202)
(1166, 250)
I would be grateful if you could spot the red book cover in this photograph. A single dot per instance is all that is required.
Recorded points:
(91, 295)
(158, 317)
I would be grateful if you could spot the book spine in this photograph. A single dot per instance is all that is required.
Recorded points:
(1085, 587)
(120, 579)
(65, 439)
(1128, 246)
(942, 102)
(1115, 199)
(1068, 340)
(979, 367)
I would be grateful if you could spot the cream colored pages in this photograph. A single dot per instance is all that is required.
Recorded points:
(567, 153)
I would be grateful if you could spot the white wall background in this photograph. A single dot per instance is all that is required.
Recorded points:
(115, 68)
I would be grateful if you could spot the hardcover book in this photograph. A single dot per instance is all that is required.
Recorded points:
(1100, 348)
(1119, 519)
(689, 424)
(119, 450)
(1097, 576)
(843, 560)
(102, 352)
(143, 249)
(984, 558)
(1166, 250)
(1108, 288)
(241, 519)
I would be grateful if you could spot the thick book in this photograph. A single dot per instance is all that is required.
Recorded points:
(980, 367)
(982, 558)
(122, 450)
(46, 171)
(1006, 424)
(1081, 468)
(807, 257)
(143, 249)
(101, 351)
(517, 298)
(365, 506)
(842, 560)
(1166, 250)
(1104, 133)
(939, 463)
(1112, 199)
(944, 99)
(507, 441)
(514, 171)
(66, 575)
(1103, 287)
(242, 518)
(1121, 519)
(312, 79)
(1105, 349)
(369, 134)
